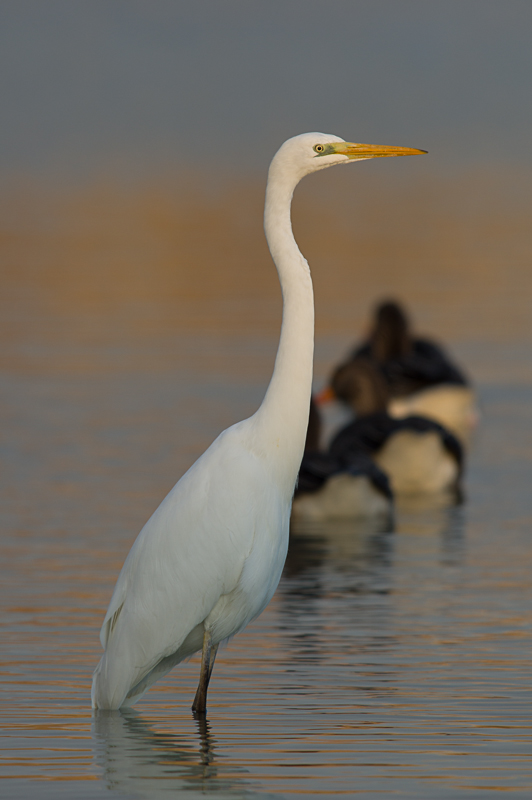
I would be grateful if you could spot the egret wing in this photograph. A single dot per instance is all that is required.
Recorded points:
(190, 553)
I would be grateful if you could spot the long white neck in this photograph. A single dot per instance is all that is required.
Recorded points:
(282, 419)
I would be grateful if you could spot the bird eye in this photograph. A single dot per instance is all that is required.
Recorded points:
(319, 148)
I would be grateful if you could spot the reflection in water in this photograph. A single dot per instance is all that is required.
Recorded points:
(333, 596)
(340, 593)
(356, 555)
(427, 517)
(387, 663)
(440, 527)
(445, 525)
(354, 548)
(452, 536)
(145, 763)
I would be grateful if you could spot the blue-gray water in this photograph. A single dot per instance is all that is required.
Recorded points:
(389, 664)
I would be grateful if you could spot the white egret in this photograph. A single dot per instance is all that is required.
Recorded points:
(209, 559)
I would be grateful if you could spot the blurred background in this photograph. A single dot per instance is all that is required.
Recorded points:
(140, 314)
(135, 140)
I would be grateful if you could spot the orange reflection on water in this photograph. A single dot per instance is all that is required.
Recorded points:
(386, 661)
(103, 266)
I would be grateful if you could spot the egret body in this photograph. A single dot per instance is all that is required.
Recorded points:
(209, 559)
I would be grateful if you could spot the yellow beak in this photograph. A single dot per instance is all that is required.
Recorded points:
(358, 151)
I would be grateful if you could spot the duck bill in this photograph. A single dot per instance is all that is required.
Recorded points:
(359, 151)
(325, 396)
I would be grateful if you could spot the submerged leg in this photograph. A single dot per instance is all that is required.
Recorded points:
(199, 706)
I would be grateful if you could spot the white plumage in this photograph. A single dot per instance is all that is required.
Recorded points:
(209, 559)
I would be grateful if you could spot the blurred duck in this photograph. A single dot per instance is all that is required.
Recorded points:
(419, 455)
(345, 486)
(420, 377)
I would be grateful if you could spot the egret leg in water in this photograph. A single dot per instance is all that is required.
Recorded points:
(208, 655)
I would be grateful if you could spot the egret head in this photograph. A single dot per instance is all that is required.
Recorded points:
(310, 152)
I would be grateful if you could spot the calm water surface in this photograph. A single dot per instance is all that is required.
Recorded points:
(391, 663)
